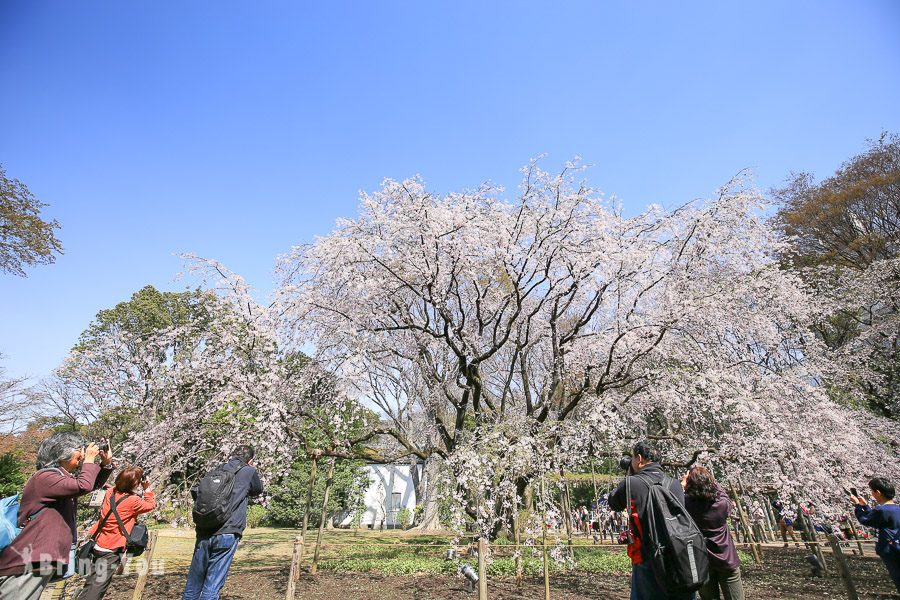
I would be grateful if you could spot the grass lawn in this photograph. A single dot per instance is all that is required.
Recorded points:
(376, 552)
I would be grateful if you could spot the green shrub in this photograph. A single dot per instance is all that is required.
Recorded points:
(11, 477)
(255, 515)
(403, 517)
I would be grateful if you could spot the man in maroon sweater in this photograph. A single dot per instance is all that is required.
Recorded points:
(66, 470)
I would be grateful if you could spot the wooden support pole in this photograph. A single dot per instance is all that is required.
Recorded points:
(855, 526)
(754, 532)
(309, 494)
(745, 525)
(294, 574)
(843, 569)
(329, 480)
(144, 572)
(567, 511)
(814, 537)
(767, 519)
(594, 481)
(482, 568)
(517, 538)
(544, 544)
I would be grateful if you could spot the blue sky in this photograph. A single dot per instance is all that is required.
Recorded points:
(237, 129)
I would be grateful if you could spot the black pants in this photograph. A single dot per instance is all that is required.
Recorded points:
(103, 566)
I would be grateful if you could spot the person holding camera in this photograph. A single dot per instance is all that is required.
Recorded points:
(66, 470)
(118, 515)
(886, 519)
(644, 461)
(710, 507)
(220, 519)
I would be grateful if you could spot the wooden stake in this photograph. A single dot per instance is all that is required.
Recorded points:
(843, 569)
(756, 536)
(482, 569)
(770, 528)
(855, 526)
(567, 511)
(329, 479)
(294, 574)
(309, 493)
(544, 537)
(143, 573)
(745, 525)
(517, 538)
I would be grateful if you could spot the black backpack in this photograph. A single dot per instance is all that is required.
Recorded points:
(212, 504)
(674, 544)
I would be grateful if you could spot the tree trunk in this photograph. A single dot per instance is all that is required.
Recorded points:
(309, 495)
(430, 517)
(329, 479)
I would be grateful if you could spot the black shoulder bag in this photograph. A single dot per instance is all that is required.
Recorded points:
(137, 539)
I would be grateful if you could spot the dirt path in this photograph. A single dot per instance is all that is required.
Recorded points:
(784, 575)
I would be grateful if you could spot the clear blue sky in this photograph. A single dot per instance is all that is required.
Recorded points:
(237, 129)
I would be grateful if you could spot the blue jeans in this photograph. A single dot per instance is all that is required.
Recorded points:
(644, 586)
(209, 566)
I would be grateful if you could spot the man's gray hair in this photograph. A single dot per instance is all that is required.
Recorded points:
(57, 448)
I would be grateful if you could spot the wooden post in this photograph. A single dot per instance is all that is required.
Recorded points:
(567, 511)
(855, 526)
(329, 479)
(143, 573)
(755, 534)
(482, 569)
(294, 575)
(745, 525)
(546, 567)
(517, 538)
(767, 518)
(544, 544)
(309, 493)
(843, 569)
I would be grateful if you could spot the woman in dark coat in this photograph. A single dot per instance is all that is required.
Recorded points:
(710, 506)
(66, 470)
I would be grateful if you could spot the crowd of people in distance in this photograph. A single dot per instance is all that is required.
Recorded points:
(47, 547)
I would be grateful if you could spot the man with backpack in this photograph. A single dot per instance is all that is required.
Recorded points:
(667, 550)
(220, 516)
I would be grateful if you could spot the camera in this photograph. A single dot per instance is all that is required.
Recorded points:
(625, 463)
(103, 445)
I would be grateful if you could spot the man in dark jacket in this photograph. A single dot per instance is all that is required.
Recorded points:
(214, 549)
(644, 460)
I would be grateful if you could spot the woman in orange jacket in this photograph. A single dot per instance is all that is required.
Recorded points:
(109, 544)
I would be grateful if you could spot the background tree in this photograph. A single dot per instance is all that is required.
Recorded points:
(11, 476)
(288, 496)
(850, 219)
(25, 239)
(524, 332)
(16, 403)
(845, 234)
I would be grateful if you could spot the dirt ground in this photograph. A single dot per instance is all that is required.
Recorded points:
(783, 575)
